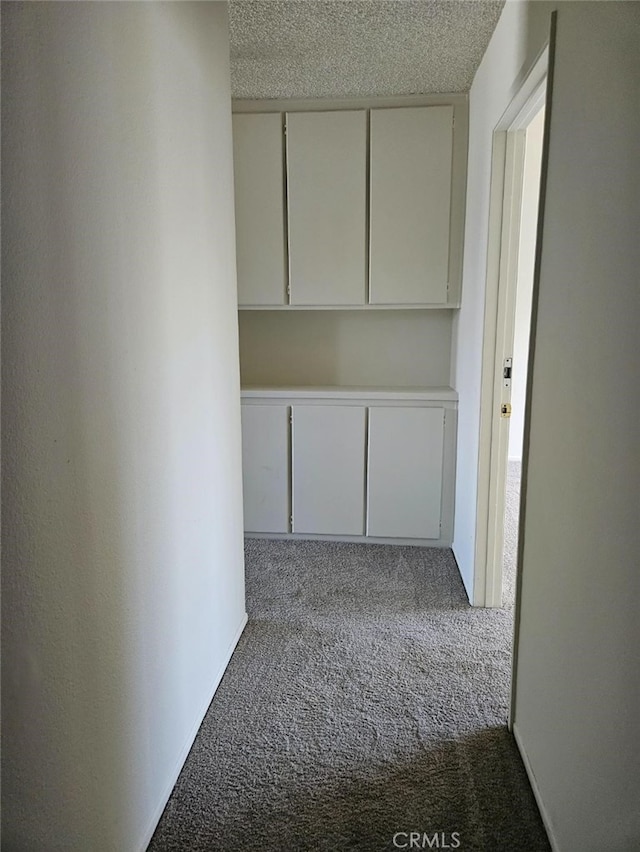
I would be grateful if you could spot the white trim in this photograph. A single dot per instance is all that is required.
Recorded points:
(506, 176)
(349, 394)
(529, 98)
(146, 838)
(555, 846)
(480, 579)
(352, 539)
(507, 284)
(426, 306)
(533, 105)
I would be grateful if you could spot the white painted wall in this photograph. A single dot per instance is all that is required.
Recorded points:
(578, 670)
(520, 36)
(524, 288)
(122, 526)
(360, 348)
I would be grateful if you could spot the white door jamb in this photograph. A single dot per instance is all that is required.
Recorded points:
(502, 267)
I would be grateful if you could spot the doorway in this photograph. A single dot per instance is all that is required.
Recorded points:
(515, 365)
(515, 187)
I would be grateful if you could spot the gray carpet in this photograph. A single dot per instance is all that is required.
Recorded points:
(365, 698)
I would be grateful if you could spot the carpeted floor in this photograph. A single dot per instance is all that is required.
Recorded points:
(365, 698)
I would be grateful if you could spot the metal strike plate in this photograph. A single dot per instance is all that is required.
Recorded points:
(506, 372)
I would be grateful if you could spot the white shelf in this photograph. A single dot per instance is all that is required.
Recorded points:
(412, 394)
(440, 306)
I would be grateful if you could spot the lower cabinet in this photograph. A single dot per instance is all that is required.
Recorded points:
(328, 451)
(361, 469)
(265, 468)
(404, 483)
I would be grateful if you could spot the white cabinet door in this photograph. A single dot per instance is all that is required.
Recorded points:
(328, 469)
(265, 467)
(411, 151)
(258, 157)
(326, 164)
(405, 472)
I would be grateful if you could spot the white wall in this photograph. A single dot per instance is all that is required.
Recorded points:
(519, 37)
(369, 348)
(123, 569)
(578, 669)
(524, 288)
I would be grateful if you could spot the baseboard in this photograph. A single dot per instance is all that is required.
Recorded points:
(189, 741)
(536, 792)
(352, 539)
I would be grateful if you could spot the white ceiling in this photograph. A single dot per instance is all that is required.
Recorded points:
(352, 48)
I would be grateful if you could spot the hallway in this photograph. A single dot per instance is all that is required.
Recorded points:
(364, 699)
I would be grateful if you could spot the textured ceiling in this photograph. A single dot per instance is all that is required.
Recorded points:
(352, 48)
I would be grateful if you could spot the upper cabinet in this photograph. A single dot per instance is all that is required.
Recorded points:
(411, 157)
(327, 207)
(258, 160)
(351, 208)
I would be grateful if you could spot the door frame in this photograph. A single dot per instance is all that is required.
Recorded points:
(507, 174)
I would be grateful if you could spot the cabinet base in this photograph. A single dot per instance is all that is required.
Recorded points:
(356, 539)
